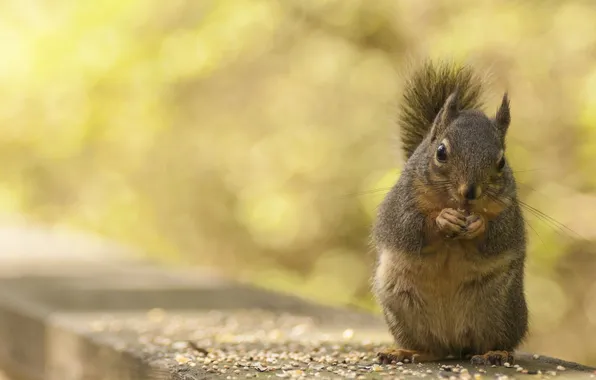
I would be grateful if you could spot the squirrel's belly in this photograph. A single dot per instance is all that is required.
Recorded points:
(435, 304)
(451, 321)
(452, 310)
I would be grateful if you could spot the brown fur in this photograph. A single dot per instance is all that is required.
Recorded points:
(445, 303)
(451, 282)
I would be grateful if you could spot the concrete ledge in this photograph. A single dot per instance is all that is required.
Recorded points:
(152, 324)
(47, 317)
(122, 318)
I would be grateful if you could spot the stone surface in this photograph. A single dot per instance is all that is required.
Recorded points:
(238, 344)
(85, 315)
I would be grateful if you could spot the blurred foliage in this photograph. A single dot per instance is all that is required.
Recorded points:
(257, 136)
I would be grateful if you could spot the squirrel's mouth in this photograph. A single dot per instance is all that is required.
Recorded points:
(467, 205)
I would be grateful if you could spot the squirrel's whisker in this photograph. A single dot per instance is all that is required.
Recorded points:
(494, 198)
(527, 170)
(549, 218)
(533, 190)
(559, 227)
(533, 229)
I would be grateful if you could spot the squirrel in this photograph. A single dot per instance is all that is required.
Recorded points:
(450, 236)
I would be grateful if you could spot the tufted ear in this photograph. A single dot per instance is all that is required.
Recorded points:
(503, 116)
(448, 113)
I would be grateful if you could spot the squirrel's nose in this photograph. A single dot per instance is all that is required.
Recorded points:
(470, 191)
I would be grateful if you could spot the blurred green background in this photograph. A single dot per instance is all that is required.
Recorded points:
(258, 136)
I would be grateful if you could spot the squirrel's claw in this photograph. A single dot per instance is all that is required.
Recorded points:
(475, 226)
(493, 358)
(395, 355)
(451, 222)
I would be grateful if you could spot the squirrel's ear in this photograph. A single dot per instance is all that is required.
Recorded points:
(447, 114)
(503, 117)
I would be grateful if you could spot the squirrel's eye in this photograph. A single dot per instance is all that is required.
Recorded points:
(501, 164)
(442, 153)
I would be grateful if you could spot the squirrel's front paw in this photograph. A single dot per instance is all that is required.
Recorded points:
(451, 222)
(475, 226)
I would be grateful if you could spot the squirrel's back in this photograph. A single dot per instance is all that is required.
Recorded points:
(426, 91)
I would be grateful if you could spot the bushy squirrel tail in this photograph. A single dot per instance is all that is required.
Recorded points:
(426, 91)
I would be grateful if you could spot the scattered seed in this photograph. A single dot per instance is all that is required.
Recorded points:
(242, 346)
(181, 345)
(348, 334)
(181, 359)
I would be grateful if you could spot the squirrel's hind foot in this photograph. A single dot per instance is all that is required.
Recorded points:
(493, 358)
(394, 355)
